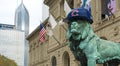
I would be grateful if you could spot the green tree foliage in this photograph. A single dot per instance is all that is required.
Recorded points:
(4, 61)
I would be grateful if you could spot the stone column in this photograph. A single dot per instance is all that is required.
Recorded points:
(93, 5)
(117, 13)
(96, 12)
(117, 5)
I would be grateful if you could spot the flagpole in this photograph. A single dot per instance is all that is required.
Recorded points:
(50, 32)
(64, 27)
(40, 22)
(56, 39)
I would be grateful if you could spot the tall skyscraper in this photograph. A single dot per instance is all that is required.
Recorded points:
(22, 23)
(22, 18)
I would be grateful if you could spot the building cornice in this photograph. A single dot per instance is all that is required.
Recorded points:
(57, 47)
(50, 2)
(107, 23)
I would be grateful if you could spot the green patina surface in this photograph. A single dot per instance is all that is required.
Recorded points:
(83, 42)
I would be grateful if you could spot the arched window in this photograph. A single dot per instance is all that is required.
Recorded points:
(54, 63)
(66, 59)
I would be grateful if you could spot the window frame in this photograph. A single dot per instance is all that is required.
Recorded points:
(54, 61)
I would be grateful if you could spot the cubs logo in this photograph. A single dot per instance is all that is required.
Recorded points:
(75, 13)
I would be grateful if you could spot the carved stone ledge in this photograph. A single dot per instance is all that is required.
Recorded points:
(106, 23)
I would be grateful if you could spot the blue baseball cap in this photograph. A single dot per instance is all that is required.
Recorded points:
(79, 14)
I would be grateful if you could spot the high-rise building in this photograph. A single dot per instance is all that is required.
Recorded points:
(22, 23)
(12, 45)
(22, 19)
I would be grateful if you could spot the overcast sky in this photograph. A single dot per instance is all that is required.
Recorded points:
(8, 7)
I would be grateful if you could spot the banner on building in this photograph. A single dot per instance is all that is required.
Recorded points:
(86, 4)
(52, 21)
(111, 6)
(67, 8)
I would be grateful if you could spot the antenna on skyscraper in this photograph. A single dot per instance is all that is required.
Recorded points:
(22, 1)
(17, 3)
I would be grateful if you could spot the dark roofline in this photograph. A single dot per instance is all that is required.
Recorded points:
(7, 24)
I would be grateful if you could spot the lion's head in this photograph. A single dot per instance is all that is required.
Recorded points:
(78, 30)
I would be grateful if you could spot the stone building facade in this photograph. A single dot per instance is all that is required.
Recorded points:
(54, 51)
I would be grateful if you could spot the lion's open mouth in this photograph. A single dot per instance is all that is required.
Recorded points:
(75, 34)
(74, 31)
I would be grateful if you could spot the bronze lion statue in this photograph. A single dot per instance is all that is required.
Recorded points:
(86, 46)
